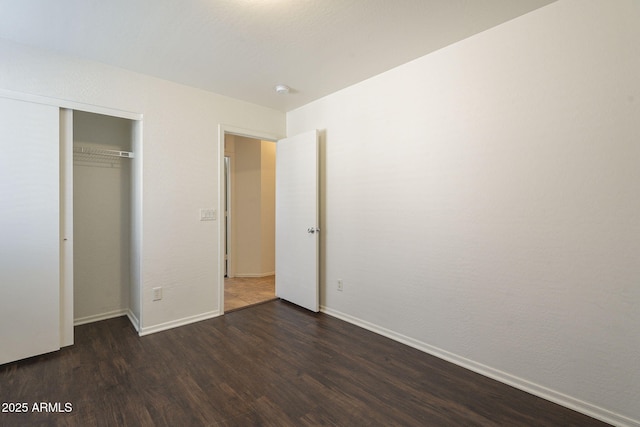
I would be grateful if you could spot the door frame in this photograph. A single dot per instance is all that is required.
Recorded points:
(223, 130)
(135, 310)
(226, 215)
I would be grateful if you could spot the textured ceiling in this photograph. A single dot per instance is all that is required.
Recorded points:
(242, 48)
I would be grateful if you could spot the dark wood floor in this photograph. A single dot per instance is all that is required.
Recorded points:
(272, 364)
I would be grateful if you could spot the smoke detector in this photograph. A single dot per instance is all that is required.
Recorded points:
(282, 89)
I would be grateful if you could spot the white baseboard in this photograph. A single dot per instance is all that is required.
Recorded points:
(134, 320)
(98, 317)
(519, 383)
(175, 323)
(272, 273)
(109, 315)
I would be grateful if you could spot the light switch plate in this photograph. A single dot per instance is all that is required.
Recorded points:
(208, 215)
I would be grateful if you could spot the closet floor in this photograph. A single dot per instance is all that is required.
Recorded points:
(241, 292)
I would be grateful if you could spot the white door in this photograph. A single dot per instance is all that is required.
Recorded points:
(297, 220)
(30, 229)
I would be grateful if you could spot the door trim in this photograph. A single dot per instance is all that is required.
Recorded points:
(226, 215)
(70, 105)
(66, 226)
(223, 130)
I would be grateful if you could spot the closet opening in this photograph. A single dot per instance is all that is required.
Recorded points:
(106, 200)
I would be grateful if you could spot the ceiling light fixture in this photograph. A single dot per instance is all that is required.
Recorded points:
(282, 89)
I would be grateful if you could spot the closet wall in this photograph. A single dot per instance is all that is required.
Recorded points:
(102, 218)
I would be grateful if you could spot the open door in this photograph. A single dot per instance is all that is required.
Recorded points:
(297, 220)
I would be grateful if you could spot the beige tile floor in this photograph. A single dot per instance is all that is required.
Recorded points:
(240, 292)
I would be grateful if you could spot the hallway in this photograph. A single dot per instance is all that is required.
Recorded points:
(241, 292)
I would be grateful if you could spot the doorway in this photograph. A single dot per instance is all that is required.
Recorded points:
(249, 221)
(296, 216)
(101, 194)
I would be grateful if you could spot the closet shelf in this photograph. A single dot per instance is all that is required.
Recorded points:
(102, 152)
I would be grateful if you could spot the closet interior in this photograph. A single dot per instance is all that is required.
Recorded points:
(104, 247)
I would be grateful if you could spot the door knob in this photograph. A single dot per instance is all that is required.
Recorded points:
(312, 230)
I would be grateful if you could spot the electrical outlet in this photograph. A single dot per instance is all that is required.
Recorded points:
(340, 285)
(157, 294)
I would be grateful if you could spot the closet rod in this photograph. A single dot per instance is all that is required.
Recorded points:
(103, 152)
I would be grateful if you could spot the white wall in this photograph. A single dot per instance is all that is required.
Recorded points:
(253, 211)
(180, 167)
(483, 203)
(246, 207)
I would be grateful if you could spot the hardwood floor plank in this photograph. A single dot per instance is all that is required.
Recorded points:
(272, 364)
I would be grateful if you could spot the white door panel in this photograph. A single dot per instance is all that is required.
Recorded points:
(30, 228)
(297, 220)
